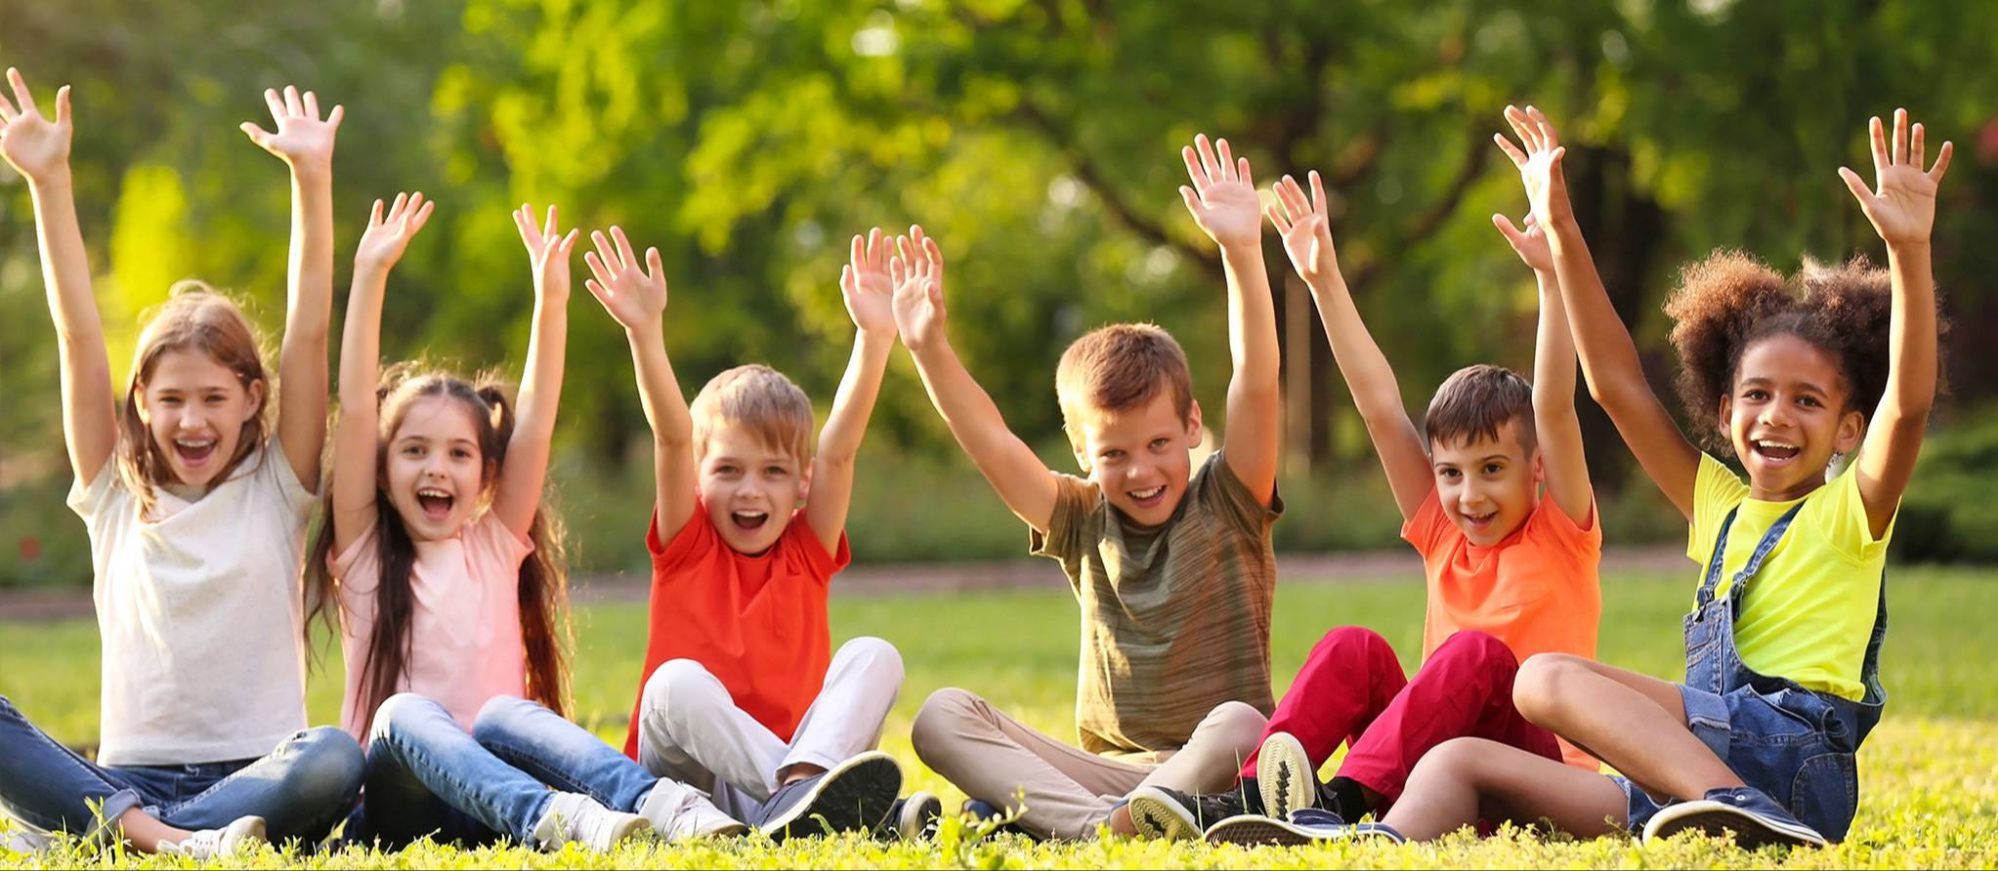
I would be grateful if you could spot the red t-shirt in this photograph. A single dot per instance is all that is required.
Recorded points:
(757, 623)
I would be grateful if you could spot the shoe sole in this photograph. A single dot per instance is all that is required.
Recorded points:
(1714, 818)
(631, 828)
(1285, 776)
(920, 817)
(1256, 830)
(1157, 816)
(854, 796)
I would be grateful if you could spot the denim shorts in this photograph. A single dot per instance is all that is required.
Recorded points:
(1786, 741)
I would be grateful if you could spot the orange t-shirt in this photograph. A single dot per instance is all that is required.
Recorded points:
(757, 623)
(1537, 590)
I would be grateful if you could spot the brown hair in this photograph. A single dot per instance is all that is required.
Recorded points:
(1730, 300)
(543, 582)
(760, 399)
(194, 318)
(1475, 401)
(1118, 368)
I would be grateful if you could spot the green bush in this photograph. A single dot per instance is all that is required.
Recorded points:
(1948, 514)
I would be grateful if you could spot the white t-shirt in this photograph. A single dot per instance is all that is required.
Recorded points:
(464, 628)
(199, 612)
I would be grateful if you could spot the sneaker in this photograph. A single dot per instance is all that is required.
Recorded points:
(243, 834)
(680, 813)
(1324, 825)
(574, 818)
(1255, 830)
(1755, 819)
(853, 796)
(24, 841)
(1172, 815)
(1285, 776)
(914, 818)
(982, 811)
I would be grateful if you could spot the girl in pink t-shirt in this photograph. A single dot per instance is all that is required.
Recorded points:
(449, 586)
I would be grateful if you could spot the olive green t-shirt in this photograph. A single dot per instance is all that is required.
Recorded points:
(1176, 618)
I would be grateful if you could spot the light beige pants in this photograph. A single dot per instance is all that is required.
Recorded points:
(1067, 792)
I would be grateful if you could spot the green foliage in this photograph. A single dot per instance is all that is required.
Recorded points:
(1948, 514)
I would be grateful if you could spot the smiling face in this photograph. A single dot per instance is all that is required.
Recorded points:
(1487, 487)
(434, 470)
(1786, 415)
(195, 410)
(1141, 457)
(750, 487)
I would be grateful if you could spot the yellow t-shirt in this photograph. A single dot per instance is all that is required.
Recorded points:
(1809, 612)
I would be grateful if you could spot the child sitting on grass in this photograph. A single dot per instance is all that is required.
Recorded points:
(1511, 572)
(1172, 568)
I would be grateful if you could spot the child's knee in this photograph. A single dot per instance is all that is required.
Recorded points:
(1538, 690)
(326, 768)
(678, 686)
(1351, 643)
(501, 715)
(877, 658)
(1455, 759)
(399, 712)
(945, 716)
(1236, 728)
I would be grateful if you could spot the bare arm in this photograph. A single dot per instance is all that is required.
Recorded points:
(1608, 356)
(1024, 484)
(1223, 201)
(869, 295)
(355, 437)
(304, 143)
(1307, 237)
(1559, 429)
(519, 495)
(1903, 212)
(39, 149)
(635, 296)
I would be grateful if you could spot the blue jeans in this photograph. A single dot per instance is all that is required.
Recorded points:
(301, 789)
(426, 776)
(561, 754)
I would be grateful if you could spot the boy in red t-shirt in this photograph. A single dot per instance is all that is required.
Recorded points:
(743, 719)
(1511, 570)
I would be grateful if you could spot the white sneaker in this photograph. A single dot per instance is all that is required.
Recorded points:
(23, 840)
(574, 818)
(243, 834)
(679, 813)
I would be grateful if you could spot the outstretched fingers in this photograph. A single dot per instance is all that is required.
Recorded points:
(24, 100)
(1942, 161)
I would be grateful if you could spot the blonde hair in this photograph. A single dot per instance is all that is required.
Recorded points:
(1118, 368)
(195, 317)
(759, 399)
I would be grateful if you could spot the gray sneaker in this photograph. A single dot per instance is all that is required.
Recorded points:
(853, 796)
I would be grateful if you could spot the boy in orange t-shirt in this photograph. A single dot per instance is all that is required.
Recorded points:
(1511, 570)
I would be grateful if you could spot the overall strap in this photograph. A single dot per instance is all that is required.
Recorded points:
(1754, 564)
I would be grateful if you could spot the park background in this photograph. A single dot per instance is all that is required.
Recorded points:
(1038, 140)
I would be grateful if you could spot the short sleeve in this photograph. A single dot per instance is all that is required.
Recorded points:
(88, 502)
(275, 471)
(693, 538)
(497, 548)
(1839, 515)
(822, 565)
(1716, 491)
(1078, 510)
(1426, 528)
(1222, 493)
(1583, 536)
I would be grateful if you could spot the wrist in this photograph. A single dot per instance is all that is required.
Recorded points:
(57, 180)
(1908, 248)
(312, 172)
(1243, 249)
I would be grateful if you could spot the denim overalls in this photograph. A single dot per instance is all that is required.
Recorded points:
(1792, 743)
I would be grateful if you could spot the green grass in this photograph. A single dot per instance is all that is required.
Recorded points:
(1929, 775)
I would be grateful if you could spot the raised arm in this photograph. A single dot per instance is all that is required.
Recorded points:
(39, 150)
(1609, 357)
(305, 144)
(869, 295)
(1554, 418)
(355, 437)
(1223, 201)
(635, 296)
(1307, 238)
(519, 493)
(1024, 484)
(1902, 209)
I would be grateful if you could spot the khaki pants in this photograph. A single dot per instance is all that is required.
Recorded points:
(1068, 792)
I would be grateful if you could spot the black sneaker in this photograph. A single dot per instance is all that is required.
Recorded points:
(912, 819)
(1255, 830)
(853, 796)
(1172, 815)
(1755, 819)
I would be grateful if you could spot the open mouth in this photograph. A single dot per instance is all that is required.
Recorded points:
(1480, 521)
(194, 452)
(1775, 450)
(749, 520)
(436, 504)
(1147, 498)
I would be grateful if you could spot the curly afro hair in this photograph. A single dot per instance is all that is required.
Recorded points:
(1730, 300)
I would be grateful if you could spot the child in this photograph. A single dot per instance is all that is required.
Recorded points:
(1510, 573)
(448, 580)
(740, 700)
(1172, 568)
(1782, 681)
(196, 510)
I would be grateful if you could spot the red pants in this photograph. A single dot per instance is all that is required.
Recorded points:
(1352, 691)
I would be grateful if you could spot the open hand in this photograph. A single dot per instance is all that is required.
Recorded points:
(388, 234)
(1223, 196)
(1306, 231)
(917, 270)
(1902, 205)
(35, 146)
(866, 286)
(303, 140)
(1539, 164)
(1530, 243)
(634, 296)
(547, 252)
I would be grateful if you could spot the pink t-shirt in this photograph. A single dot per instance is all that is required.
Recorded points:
(464, 630)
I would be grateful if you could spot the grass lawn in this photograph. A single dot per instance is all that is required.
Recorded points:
(1929, 775)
